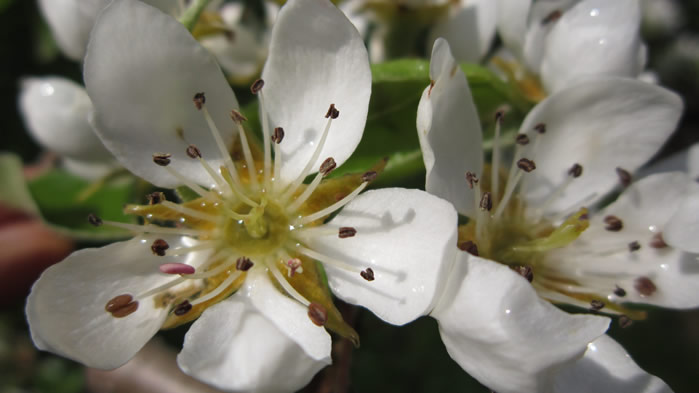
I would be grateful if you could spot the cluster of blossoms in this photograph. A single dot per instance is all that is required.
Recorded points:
(256, 256)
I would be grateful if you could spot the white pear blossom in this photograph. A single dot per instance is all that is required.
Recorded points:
(57, 113)
(244, 254)
(561, 41)
(530, 217)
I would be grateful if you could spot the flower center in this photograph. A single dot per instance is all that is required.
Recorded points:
(264, 230)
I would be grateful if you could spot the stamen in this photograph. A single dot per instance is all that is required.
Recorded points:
(657, 241)
(319, 147)
(182, 308)
(624, 321)
(525, 271)
(186, 250)
(644, 286)
(337, 205)
(619, 291)
(219, 289)
(596, 305)
(199, 101)
(346, 232)
(161, 288)
(526, 164)
(246, 151)
(317, 314)
(552, 17)
(287, 287)
(266, 143)
(573, 173)
(193, 213)
(325, 168)
(469, 246)
(159, 246)
(154, 229)
(193, 152)
(522, 139)
(243, 264)
(634, 246)
(121, 306)
(294, 265)
(614, 224)
(235, 188)
(576, 170)
(369, 176)
(94, 220)
(332, 112)
(326, 259)
(472, 179)
(162, 159)
(278, 135)
(367, 274)
(540, 128)
(624, 177)
(155, 197)
(495, 168)
(199, 190)
(257, 86)
(176, 268)
(486, 202)
(238, 117)
(220, 182)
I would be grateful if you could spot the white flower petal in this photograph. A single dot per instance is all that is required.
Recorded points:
(66, 308)
(693, 161)
(496, 327)
(682, 229)
(70, 22)
(142, 70)
(538, 29)
(606, 367)
(602, 124)
(512, 23)
(449, 131)
(470, 29)
(289, 316)
(606, 32)
(407, 237)
(56, 112)
(601, 258)
(234, 347)
(310, 66)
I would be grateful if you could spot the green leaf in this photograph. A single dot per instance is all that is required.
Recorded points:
(62, 202)
(14, 192)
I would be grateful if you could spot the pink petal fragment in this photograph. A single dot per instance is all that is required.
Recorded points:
(176, 268)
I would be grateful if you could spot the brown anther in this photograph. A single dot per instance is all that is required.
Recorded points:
(369, 177)
(94, 220)
(526, 165)
(238, 117)
(162, 159)
(634, 246)
(243, 264)
(644, 286)
(159, 246)
(332, 112)
(257, 86)
(624, 321)
(317, 314)
(540, 128)
(121, 306)
(346, 232)
(525, 271)
(193, 152)
(429, 92)
(575, 171)
(367, 274)
(469, 246)
(596, 305)
(619, 291)
(657, 241)
(472, 179)
(199, 100)
(500, 115)
(327, 166)
(614, 224)
(624, 177)
(183, 308)
(155, 197)
(552, 17)
(278, 135)
(294, 264)
(229, 34)
(522, 139)
(486, 202)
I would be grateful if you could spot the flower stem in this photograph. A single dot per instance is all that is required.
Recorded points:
(191, 15)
